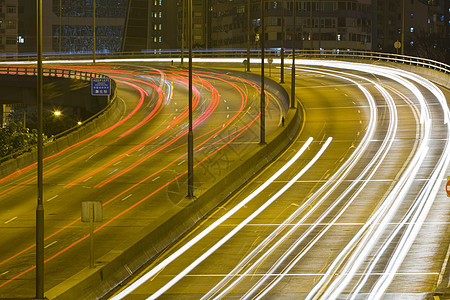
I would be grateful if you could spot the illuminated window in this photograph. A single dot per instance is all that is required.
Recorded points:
(411, 29)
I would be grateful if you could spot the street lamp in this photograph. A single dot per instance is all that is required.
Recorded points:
(248, 35)
(94, 42)
(190, 133)
(263, 98)
(57, 113)
(294, 38)
(40, 194)
(282, 42)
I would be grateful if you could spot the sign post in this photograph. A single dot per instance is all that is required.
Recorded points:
(270, 61)
(91, 211)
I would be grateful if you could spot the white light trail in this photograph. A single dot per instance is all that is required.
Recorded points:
(242, 224)
(328, 187)
(210, 228)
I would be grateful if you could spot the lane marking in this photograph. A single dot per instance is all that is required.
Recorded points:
(50, 244)
(54, 197)
(125, 198)
(10, 220)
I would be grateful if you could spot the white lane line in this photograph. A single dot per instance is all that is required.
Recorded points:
(117, 163)
(181, 162)
(50, 244)
(210, 228)
(4, 273)
(54, 197)
(87, 179)
(156, 178)
(10, 220)
(123, 199)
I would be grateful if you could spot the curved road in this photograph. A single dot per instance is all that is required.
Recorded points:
(354, 209)
(137, 168)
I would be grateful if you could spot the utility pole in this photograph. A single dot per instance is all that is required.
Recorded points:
(283, 34)
(263, 98)
(94, 42)
(294, 38)
(311, 25)
(40, 161)
(60, 25)
(190, 133)
(403, 27)
(183, 28)
(248, 34)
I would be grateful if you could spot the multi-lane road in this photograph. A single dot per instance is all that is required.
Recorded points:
(137, 168)
(355, 208)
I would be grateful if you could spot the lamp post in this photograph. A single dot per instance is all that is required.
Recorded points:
(248, 35)
(190, 133)
(60, 25)
(263, 98)
(94, 42)
(282, 42)
(40, 194)
(403, 27)
(182, 31)
(294, 38)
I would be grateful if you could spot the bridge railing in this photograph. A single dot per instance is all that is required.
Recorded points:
(50, 72)
(239, 53)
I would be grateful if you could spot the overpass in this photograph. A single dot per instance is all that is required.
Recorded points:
(364, 181)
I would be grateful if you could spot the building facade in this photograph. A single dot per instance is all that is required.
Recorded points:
(68, 25)
(9, 25)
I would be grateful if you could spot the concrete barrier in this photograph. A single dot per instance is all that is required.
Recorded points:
(118, 265)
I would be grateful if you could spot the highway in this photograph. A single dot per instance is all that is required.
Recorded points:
(137, 168)
(355, 208)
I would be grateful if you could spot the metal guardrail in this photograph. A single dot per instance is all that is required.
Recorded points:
(240, 53)
(50, 72)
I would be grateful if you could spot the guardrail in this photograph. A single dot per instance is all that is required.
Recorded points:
(241, 53)
(50, 72)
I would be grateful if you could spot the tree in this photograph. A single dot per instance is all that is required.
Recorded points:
(15, 138)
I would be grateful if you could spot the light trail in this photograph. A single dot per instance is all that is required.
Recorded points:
(337, 178)
(388, 208)
(244, 99)
(213, 226)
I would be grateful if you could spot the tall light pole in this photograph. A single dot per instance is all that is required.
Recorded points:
(263, 98)
(182, 31)
(282, 41)
(403, 27)
(40, 161)
(311, 25)
(60, 25)
(190, 133)
(294, 38)
(248, 35)
(94, 42)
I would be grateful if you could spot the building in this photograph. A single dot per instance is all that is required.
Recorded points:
(68, 25)
(151, 25)
(9, 25)
(320, 24)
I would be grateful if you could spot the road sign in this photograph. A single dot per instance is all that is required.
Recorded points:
(447, 186)
(100, 86)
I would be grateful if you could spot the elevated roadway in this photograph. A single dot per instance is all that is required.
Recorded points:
(355, 208)
(137, 168)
